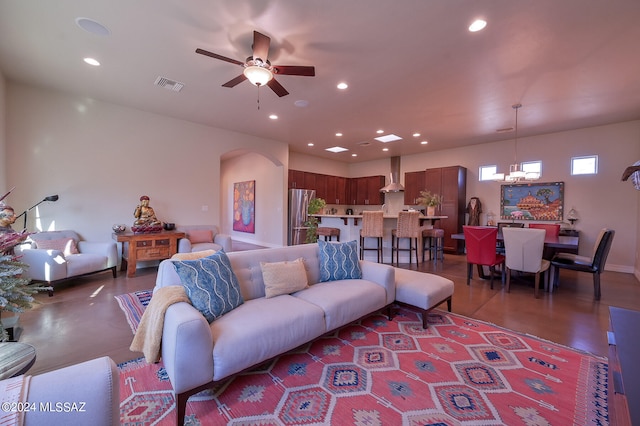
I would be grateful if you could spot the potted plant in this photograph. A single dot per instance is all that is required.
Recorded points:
(315, 205)
(430, 201)
(16, 294)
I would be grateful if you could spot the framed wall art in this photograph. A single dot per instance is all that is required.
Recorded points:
(532, 201)
(244, 206)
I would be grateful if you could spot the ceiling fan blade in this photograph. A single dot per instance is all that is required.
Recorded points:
(216, 56)
(294, 70)
(234, 82)
(261, 46)
(277, 88)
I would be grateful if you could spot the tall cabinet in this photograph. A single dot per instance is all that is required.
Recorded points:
(451, 183)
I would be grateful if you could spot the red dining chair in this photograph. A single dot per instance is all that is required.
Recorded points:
(481, 250)
(553, 229)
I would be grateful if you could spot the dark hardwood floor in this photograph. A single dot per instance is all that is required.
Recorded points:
(83, 320)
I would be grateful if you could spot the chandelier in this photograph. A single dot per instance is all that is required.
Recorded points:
(516, 173)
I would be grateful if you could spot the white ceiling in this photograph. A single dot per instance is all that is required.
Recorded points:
(411, 65)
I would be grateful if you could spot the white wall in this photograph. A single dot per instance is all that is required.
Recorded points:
(100, 158)
(601, 200)
(309, 163)
(270, 200)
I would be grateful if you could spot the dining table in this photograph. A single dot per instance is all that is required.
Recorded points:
(564, 243)
(552, 244)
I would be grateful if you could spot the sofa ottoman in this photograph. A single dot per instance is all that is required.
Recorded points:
(423, 291)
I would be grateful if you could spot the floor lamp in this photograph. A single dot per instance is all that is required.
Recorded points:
(26, 212)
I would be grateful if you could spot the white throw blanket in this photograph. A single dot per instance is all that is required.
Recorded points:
(149, 332)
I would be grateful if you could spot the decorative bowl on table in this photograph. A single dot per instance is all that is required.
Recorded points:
(119, 229)
(146, 229)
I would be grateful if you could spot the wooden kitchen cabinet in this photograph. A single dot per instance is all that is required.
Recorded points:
(413, 184)
(296, 179)
(339, 189)
(451, 184)
(367, 190)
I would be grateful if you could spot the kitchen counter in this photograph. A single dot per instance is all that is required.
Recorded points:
(356, 217)
(350, 225)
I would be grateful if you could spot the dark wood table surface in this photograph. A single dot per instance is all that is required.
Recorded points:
(560, 242)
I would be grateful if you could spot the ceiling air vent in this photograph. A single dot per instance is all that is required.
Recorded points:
(169, 84)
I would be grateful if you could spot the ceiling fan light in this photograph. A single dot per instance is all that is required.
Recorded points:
(258, 76)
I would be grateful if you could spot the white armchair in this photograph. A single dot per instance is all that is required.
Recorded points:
(203, 237)
(81, 394)
(55, 256)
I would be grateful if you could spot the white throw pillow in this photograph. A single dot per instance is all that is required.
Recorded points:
(283, 277)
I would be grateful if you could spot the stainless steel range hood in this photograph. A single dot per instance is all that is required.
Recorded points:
(394, 185)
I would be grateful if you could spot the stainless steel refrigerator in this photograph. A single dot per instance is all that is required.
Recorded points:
(298, 208)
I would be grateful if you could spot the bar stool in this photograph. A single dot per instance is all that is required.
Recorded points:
(372, 227)
(408, 227)
(328, 233)
(433, 242)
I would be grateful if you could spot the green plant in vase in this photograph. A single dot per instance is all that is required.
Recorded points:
(315, 206)
(430, 200)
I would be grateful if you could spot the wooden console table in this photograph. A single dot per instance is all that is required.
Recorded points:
(624, 372)
(146, 246)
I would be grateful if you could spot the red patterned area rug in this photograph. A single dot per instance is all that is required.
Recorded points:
(459, 371)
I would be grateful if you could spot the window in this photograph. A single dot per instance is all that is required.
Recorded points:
(532, 167)
(487, 172)
(587, 165)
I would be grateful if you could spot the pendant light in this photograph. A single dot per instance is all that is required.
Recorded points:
(516, 174)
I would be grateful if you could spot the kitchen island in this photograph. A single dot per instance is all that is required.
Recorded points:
(350, 226)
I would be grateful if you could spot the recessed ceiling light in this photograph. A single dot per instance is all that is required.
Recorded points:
(388, 138)
(338, 134)
(310, 144)
(477, 25)
(301, 103)
(380, 131)
(92, 61)
(424, 142)
(354, 155)
(342, 85)
(273, 117)
(416, 135)
(337, 149)
(385, 149)
(92, 26)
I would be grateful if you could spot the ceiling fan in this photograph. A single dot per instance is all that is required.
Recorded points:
(257, 68)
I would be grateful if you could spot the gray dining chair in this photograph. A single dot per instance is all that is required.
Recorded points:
(593, 265)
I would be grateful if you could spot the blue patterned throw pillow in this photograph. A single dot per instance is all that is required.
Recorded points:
(211, 284)
(339, 261)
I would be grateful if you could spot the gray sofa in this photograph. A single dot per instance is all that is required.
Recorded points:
(196, 354)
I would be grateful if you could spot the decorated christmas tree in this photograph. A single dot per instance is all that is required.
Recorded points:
(16, 294)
